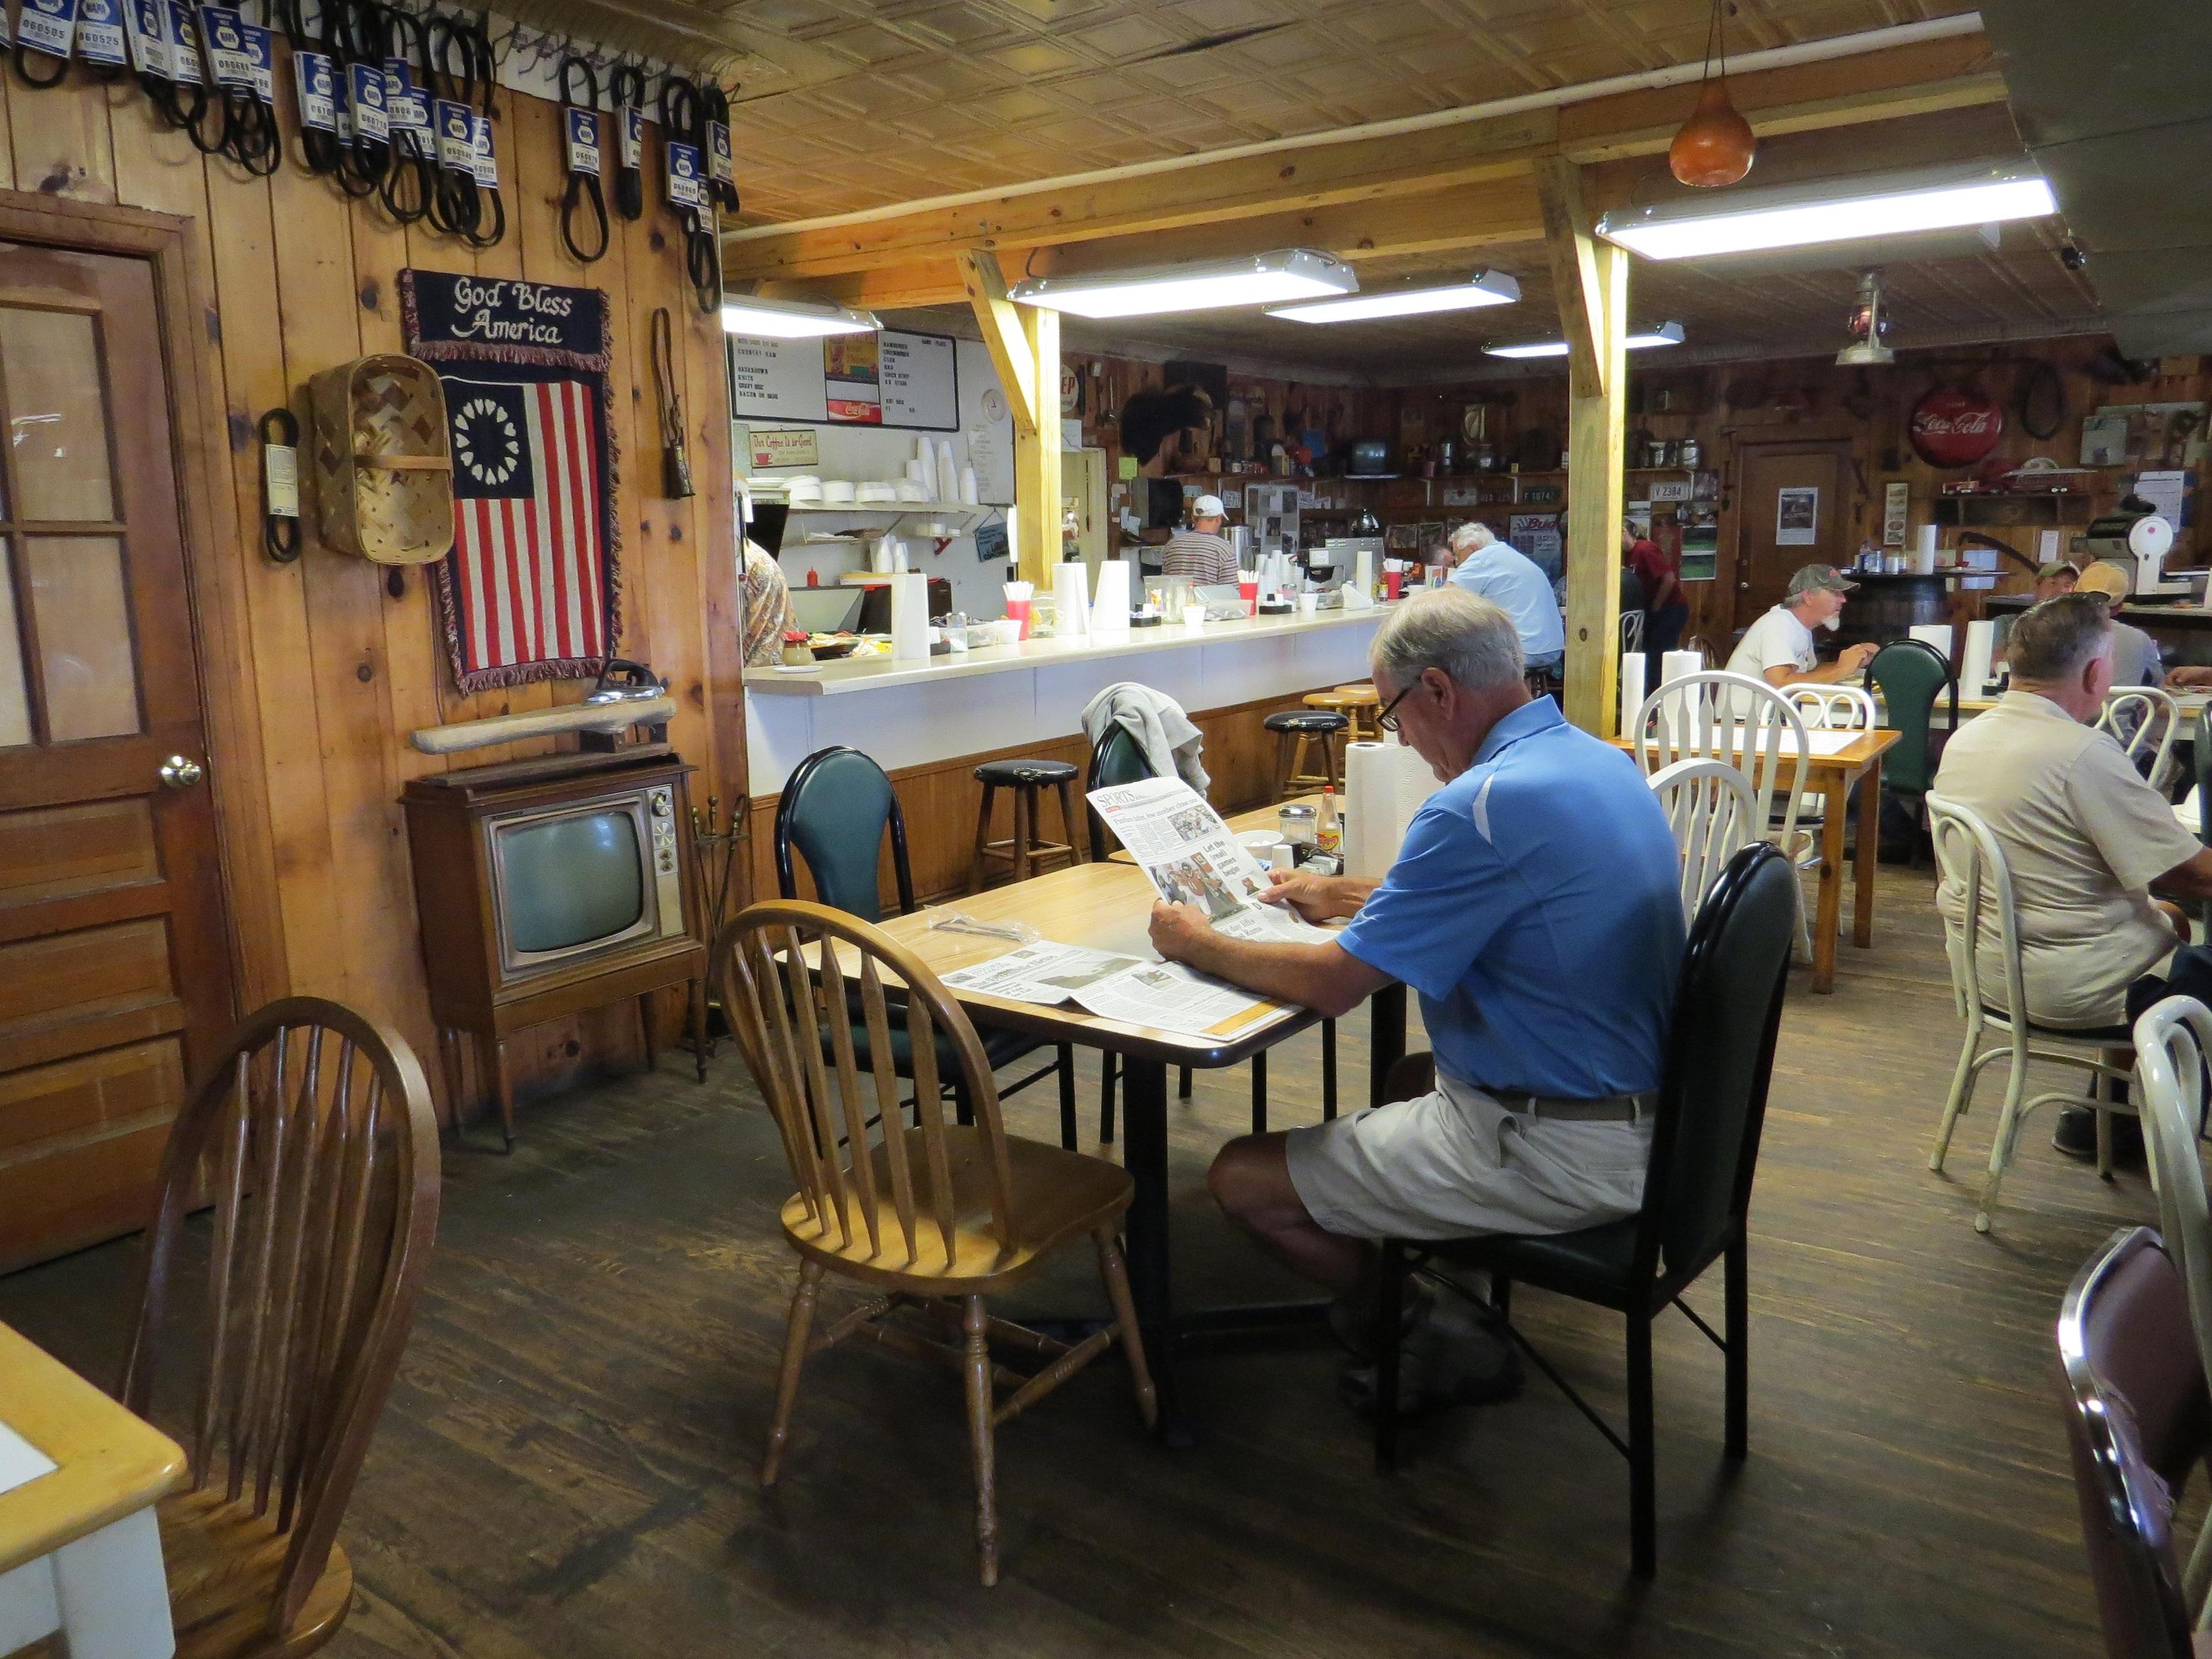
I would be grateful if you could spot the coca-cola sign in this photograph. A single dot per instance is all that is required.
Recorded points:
(1952, 427)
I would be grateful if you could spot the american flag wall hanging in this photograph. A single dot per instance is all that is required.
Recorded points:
(531, 589)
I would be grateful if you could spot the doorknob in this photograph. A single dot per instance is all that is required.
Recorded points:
(179, 773)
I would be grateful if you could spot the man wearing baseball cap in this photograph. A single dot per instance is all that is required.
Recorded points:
(1201, 553)
(1778, 648)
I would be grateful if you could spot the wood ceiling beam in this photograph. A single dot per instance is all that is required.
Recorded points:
(1955, 72)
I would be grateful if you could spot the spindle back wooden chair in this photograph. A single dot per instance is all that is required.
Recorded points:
(931, 1215)
(313, 1136)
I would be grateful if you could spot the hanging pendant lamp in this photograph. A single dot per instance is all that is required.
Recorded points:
(1716, 146)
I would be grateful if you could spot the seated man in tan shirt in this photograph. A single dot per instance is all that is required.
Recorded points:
(2087, 842)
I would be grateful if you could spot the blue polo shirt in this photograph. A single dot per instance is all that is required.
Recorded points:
(1536, 908)
(1511, 579)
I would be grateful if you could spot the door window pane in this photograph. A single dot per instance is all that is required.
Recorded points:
(84, 635)
(55, 414)
(15, 706)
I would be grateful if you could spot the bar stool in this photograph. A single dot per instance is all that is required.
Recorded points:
(1024, 851)
(1364, 703)
(1294, 729)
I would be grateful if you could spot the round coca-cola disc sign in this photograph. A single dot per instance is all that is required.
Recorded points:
(1951, 428)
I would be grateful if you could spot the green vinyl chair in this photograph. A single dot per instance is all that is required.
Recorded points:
(836, 811)
(1910, 674)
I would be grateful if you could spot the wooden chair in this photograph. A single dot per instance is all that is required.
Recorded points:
(1973, 865)
(1710, 809)
(936, 1217)
(313, 1136)
(2146, 722)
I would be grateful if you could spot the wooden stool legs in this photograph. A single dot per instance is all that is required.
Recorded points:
(1026, 852)
(976, 869)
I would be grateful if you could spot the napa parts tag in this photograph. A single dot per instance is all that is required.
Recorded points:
(261, 61)
(184, 43)
(365, 82)
(718, 153)
(406, 112)
(457, 138)
(226, 48)
(685, 186)
(318, 92)
(99, 33)
(144, 26)
(280, 480)
(583, 129)
(48, 25)
(633, 136)
(487, 163)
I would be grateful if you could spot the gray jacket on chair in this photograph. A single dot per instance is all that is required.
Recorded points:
(1170, 743)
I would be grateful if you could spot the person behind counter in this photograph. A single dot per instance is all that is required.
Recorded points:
(1201, 553)
(1665, 611)
(1778, 648)
(1493, 570)
(767, 612)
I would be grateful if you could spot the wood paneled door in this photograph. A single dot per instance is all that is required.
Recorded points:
(114, 963)
(1791, 515)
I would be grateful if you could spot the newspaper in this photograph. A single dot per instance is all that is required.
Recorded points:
(1162, 994)
(1046, 973)
(1191, 857)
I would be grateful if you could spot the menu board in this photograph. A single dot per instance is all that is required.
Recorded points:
(884, 379)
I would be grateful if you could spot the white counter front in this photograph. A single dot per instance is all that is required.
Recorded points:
(909, 713)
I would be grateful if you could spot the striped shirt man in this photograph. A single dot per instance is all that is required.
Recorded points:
(1201, 553)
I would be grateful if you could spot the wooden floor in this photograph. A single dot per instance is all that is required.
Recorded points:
(566, 1467)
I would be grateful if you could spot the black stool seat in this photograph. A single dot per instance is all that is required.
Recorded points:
(1309, 720)
(1008, 773)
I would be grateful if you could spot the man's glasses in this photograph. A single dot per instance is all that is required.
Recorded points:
(1388, 719)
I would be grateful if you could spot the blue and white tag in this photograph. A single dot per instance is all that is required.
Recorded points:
(48, 25)
(313, 74)
(365, 84)
(457, 138)
(582, 127)
(99, 33)
(686, 188)
(260, 60)
(226, 48)
(406, 112)
(718, 169)
(184, 43)
(145, 26)
(633, 136)
(487, 162)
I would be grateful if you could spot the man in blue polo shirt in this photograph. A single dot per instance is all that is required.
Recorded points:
(1534, 905)
(1493, 570)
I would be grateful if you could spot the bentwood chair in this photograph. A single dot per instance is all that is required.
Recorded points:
(1910, 674)
(1631, 633)
(936, 1217)
(1831, 709)
(836, 810)
(2146, 722)
(1697, 1188)
(1981, 925)
(2132, 1386)
(1710, 808)
(313, 1136)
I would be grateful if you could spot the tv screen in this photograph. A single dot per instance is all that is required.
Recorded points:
(570, 880)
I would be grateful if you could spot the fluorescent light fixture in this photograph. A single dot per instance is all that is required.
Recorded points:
(1255, 279)
(1485, 287)
(1666, 334)
(1836, 212)
(792, 320)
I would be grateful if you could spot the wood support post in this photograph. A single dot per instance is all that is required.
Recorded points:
(1024, 346)
(1591, 279)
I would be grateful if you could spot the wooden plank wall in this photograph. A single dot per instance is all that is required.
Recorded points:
(340, 670)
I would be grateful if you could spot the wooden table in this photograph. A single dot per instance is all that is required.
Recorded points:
(1831, 777)
(79, 1550)
(1108, 906)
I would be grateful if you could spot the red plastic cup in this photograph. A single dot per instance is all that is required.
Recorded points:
(1018, 611)
(1394, 583)
(1250, 593)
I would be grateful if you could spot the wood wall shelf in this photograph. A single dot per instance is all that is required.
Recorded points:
(2077, 507)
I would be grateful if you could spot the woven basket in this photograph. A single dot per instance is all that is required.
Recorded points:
(384, 480)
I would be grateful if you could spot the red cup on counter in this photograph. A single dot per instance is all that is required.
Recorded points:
(1250, 593)
(1018, 611)
(1394, 584)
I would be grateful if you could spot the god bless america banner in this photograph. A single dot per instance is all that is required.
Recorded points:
(532, 590)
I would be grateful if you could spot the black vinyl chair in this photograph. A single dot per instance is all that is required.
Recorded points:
(2137, 1420)
(835, 810)
(1705, 1146)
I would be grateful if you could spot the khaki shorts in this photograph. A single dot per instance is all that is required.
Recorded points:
(1454, 1162)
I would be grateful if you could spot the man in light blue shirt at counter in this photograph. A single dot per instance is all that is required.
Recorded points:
(1535, 906)
(1493, 570)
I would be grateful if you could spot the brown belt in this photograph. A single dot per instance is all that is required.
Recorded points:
(1613, 1109)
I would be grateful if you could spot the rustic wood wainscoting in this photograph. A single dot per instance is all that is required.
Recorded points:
(315, 673)
(940, 799)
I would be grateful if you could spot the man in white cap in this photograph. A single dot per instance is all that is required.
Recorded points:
(1778, 648)
(1201, 554)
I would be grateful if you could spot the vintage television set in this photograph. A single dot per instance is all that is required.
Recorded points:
(546, 887)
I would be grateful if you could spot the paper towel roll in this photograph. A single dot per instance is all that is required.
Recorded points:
(1974, 663)
(1936, 634)
(1385, 784)
(1109, 606)
(1672, 666)
(1926, 543)
(910, 617)
(1360, 593)
(1071, 590)
(1632, 664)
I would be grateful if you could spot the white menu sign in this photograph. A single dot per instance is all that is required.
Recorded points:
(919, 380)
(778, 379)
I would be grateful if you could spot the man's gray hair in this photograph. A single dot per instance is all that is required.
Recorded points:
(1469, 536)
(2054, 640)
(1472, 641)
